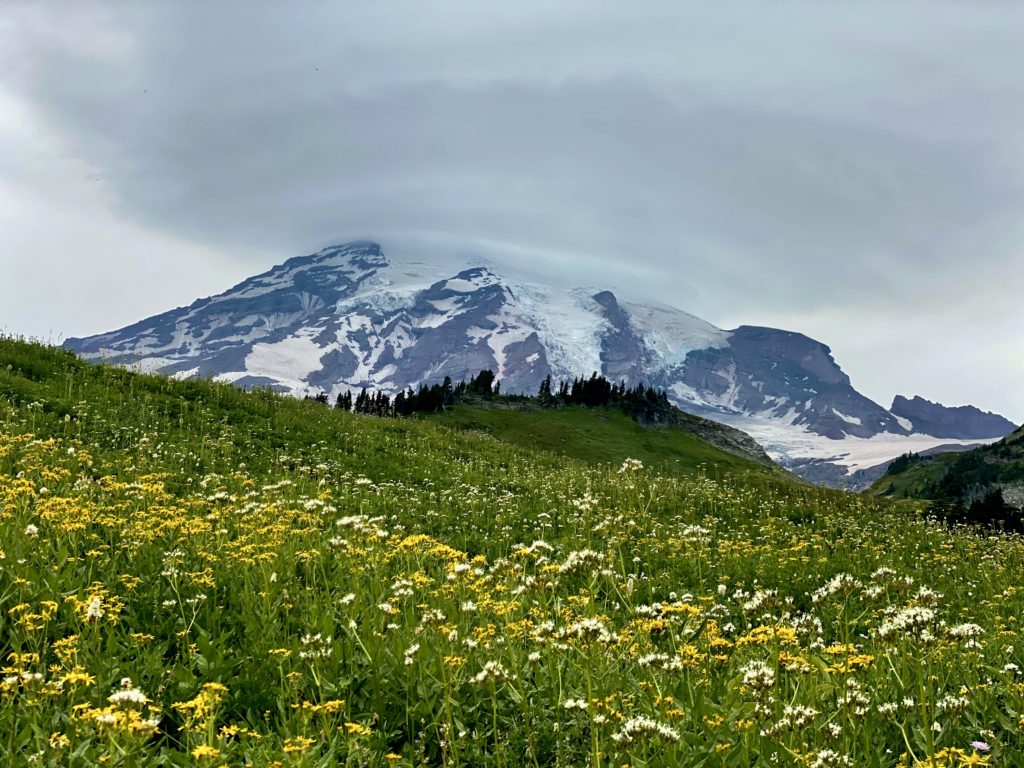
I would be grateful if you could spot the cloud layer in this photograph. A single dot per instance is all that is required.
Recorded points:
(854, 172)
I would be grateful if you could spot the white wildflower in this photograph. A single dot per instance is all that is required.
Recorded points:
(95, 609)
(493, 671)
(644, 726)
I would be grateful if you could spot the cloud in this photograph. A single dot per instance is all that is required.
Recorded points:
(750, 163)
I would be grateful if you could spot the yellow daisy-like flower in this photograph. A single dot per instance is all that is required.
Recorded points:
(355, 729)
(78, 676)
(59, 740)
(975, 759)
(297, 745)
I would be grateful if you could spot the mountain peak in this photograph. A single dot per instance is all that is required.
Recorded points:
(962, 421)
(900, 401)
(471, 279)
(363, 254)
(606, 299)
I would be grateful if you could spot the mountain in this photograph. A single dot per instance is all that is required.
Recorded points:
(350, 317)
(963, 421)
(784, 376)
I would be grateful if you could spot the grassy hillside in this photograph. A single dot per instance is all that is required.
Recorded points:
(192, 575)
(918, 479)
(961, 478)
(601, 435)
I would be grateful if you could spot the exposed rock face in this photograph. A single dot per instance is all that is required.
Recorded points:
(622, 351)
(1013, 495)
(786, 376)
(965, 421)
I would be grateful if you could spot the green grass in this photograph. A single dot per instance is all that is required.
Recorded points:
(598, 436)
(193, 575)
(918, 480)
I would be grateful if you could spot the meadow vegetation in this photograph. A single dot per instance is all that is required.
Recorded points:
(193, 575)
(602, 436)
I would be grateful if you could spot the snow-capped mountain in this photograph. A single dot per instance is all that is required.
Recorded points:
(350, 317)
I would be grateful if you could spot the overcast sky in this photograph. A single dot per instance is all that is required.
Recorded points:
(850, 170)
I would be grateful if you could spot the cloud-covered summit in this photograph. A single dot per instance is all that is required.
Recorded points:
(855, 172)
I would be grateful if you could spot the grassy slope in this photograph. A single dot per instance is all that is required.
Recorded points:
(599, 436)
(999, 462)
(219, 533)
(218, 422)
(917, 480)
(594, 436)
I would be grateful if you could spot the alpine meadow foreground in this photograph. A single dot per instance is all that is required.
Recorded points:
(195, 575)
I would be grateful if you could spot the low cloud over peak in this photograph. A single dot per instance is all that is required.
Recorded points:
(852, 172)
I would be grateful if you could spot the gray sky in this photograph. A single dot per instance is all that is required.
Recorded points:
(850, 170)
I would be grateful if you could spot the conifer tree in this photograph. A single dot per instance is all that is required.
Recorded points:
(544, 393)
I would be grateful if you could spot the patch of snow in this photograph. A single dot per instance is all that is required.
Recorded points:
(500, 339)
(907, 424)
(289, 361)
(446, 305)
(848, 419)
(145, 344)
(182, 375)
(230, 377)
(726, 400)
(309, 302)
(354, 322)
(789, 417)
(461, 285)
(684, 393)
(392, 289)
(386, 373)
(240, 339)
(284, 275)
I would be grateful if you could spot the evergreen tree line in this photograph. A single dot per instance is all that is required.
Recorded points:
(594, 392)
(598, 391)
(902, 463)
(988, 509)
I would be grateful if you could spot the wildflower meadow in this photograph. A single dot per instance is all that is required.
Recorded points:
(194, 575)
